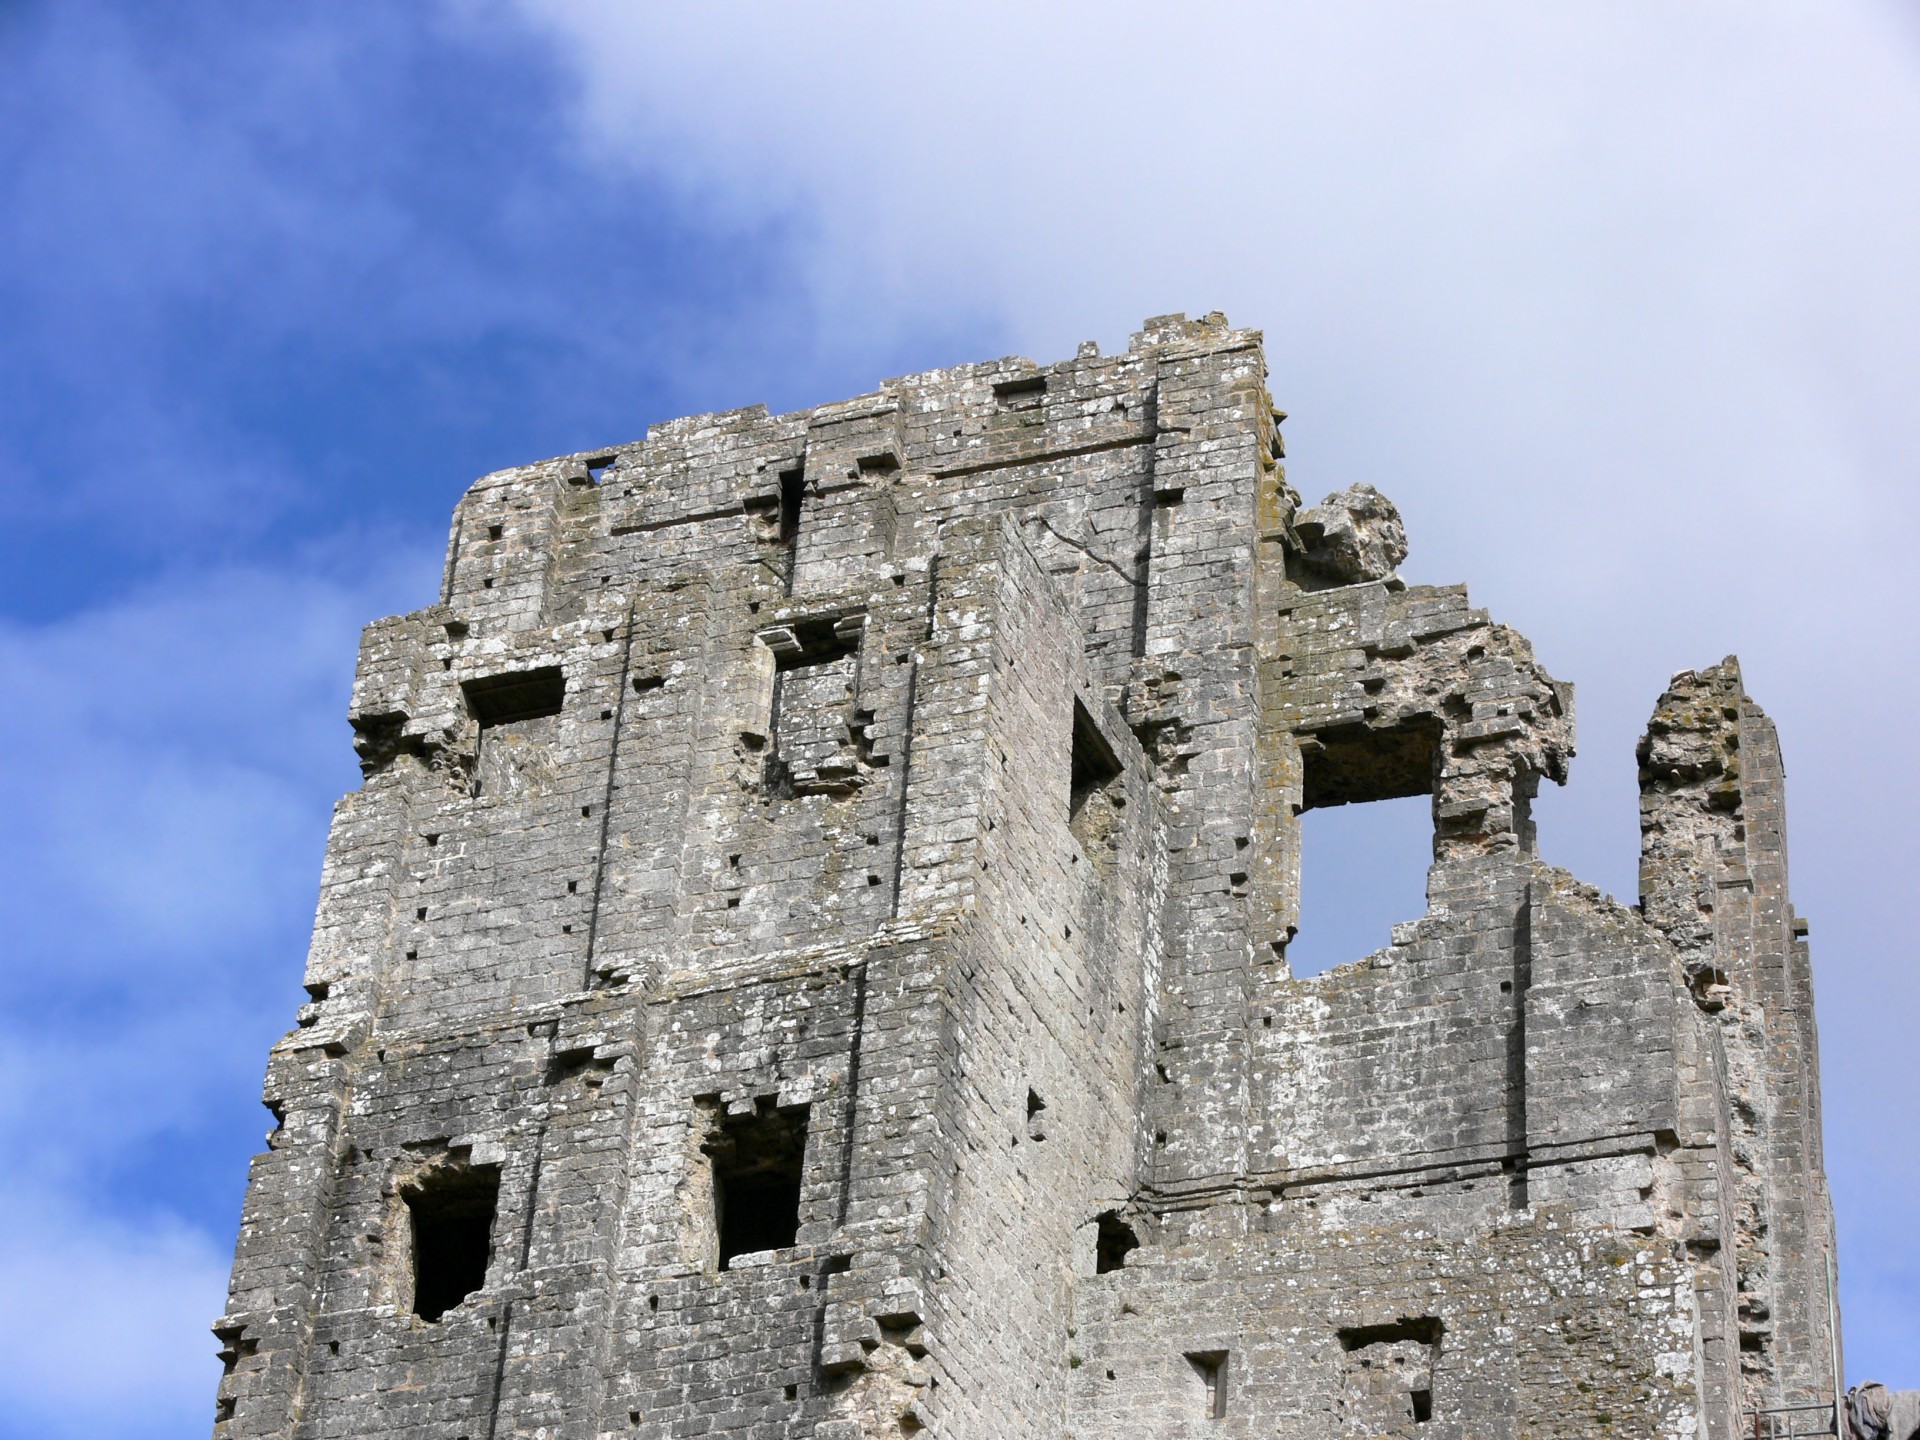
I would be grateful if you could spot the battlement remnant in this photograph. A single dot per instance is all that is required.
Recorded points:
(808, 957)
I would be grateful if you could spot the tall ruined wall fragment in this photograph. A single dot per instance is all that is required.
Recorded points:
(809, 958)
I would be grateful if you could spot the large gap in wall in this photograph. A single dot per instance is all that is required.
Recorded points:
(518, 714)
(757, 1170)
(1363, 870)
(450, 1211)
(1387, 1376)
(1366, 840)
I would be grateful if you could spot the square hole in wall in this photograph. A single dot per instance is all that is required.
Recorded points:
(758, 1162)
(1387, 1376)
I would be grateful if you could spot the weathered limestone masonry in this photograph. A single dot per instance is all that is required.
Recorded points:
(808, 958)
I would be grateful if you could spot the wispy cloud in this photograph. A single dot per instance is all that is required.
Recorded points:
(1617, 304)
(176, 755)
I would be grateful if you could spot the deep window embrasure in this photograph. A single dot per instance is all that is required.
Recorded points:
(450, 1212)
(519, 695)
(758, 1161)
(1095, 766)
(1366, 840)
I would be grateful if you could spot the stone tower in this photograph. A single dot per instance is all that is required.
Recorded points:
(809, 958)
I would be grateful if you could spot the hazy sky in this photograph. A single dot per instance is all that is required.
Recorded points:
(1619, 302)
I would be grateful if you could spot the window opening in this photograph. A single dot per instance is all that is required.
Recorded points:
(1211, 1367)
(1388, 1375)
(1366, 840)
(1020, 392)
(450, 1211)
(793, 487)
(757, 1161)
(521, 695)
(518, 724)
(1091, 809)
(819, 735)
(1113, 1242)
(1036, 1108)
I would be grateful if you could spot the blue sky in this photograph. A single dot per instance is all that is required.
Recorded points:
(1619, 306)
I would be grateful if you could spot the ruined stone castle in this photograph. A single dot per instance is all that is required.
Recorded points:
(809, 959)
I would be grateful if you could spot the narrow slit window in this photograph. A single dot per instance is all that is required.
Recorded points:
(758, 1164)
(450, 1212)
(1094, 764)
(1210, 1367)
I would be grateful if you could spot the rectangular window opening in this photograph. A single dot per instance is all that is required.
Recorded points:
(1020, 391)
(758, 1163)
(1095, 766)
(1211, 1367)
(793, 489)
(1114, 1240)
(1366, 840)
(1387, 1373)
(516, 696)
(450, 1210)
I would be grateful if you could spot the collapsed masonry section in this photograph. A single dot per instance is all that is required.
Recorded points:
(811, 948)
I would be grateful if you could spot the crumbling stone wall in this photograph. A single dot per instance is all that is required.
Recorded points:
(809, 958)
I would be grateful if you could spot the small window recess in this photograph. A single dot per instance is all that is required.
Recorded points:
(516, 696)
(1093, 802)
(1094, 763)
(793, 490)
(1211, 1367)
(757, 1161)
(597, 467)
(1036, 1113)
(1114, 1240)
(1020, 392)
(450, 1214)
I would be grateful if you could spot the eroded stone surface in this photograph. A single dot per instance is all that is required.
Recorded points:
(1352, 535)
(816, 918)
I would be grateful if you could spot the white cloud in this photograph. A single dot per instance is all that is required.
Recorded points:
(176, 752)
(103, 1324)
(1617, 302)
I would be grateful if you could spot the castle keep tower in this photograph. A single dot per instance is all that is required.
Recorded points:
(809, 959)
